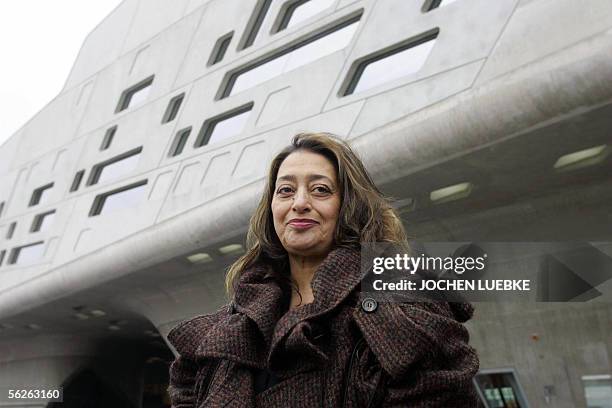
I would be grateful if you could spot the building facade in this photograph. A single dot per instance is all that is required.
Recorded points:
(124, 200)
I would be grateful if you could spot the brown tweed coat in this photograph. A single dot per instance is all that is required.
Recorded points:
(328, 353)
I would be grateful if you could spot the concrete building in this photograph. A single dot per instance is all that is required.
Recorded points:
(123, 201)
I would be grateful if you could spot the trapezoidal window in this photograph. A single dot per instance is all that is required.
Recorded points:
(39, 195)
(115, 167)
(434, 4)
(392, 63)
(108, 137)
(173, 108)
(500, 388)
(224, 126)
(42, 221)
(294, 12)
(254, 24)
(76, 181)
(221, 46)
(597, 390)
(125, 197)
(135, 95)
(27, 254)
(179, 142)
(1, 208)
(292, 56)
(2, 253)
(11, 230)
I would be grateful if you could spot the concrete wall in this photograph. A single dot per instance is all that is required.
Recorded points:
(499, 72)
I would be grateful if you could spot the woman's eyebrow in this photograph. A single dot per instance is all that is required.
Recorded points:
(310, 177)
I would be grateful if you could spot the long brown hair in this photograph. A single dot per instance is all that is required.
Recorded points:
(365, 214)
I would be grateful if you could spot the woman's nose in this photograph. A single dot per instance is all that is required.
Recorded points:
(301, 200)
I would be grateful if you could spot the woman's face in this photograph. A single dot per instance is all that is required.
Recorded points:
(306, 204)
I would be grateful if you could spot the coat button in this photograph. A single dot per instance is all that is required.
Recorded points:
(369, 305)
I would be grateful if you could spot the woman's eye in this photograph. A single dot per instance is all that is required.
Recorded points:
(321, 190)
(284, 190)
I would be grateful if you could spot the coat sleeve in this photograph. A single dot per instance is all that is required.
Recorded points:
(189, 374)
(188, 378)
(183, 373)
(423, 352)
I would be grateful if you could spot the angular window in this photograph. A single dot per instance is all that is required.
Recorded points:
(2, 253)
(224, 126)
(598, 390)
(11, 230)
(220, 48)
(76, 181)
(254, 24)
(108, 137)
(124, 197)
(178, 144)
(388, 65)
(291, 57)
(500, 388)
(42, 221)
(173, 107)
(115, 168)
(27, 254)
(40, 195)
(135, 95)
(434, 4)
(1, 208)
(294, 12)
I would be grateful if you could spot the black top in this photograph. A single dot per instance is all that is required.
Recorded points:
(264, 379)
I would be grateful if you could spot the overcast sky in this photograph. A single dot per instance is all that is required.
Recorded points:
(39, 42)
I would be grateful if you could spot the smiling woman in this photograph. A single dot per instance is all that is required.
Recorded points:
(294, 333)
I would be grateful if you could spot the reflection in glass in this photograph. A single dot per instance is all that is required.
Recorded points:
(139, 97)
(303, 10)
(229, 127)
(434, 4)
(43, 221)
(598, 390)
(286, 61)
(179, 142)
(500, 389)
(114, 170)
(446, 2)
(39, 195)
(28, 254)
(126, 198)
(135, 95)
(389, 67)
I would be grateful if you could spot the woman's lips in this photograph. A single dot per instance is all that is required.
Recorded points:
(302, 224)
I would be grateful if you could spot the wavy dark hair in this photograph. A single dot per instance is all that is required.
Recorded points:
(365, 213)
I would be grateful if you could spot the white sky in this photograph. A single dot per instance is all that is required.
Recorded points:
(39, 42)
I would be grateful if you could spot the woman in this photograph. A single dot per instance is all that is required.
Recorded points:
(295, 334)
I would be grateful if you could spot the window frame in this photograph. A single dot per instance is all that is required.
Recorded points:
(254, 24)
(208, 127)
(179, 142)
(14, 254)
(38, 219)
(127, 94)
(96, 169)
(100, 199)
(109, 135)
(76, 181)
(172, 110)
(358, 66)
(38, 193)
(230, 77)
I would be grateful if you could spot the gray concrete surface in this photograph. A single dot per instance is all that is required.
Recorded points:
(509, 87)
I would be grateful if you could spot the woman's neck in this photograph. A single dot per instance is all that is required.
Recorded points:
(302, 271)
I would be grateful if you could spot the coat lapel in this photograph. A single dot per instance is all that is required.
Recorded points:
(262, 331)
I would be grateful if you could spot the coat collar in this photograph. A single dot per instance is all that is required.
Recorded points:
(261, 324)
